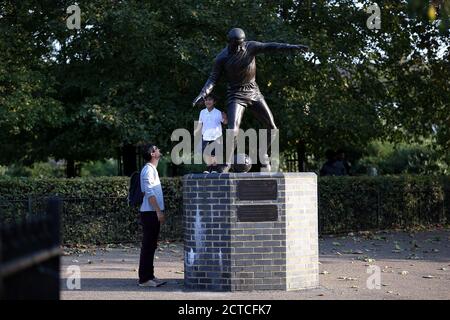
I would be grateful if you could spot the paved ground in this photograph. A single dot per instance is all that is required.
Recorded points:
(413, 266)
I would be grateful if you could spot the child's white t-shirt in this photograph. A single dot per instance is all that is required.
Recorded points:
(211, 124)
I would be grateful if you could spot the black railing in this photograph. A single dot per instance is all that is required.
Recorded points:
(375, 209)
(291, 162)
(111, 220)
(96, 220)
(30, 251)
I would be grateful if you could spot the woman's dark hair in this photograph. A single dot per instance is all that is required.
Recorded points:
(147, 150)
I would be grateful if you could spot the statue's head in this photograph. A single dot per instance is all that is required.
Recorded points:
(236, 38)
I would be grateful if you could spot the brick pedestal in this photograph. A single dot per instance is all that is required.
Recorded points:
(250, 231)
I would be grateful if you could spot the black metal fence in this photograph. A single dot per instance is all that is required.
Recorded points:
(375, 209)
(89, 220)
(30, 251)
(97, 220)
(291, 162)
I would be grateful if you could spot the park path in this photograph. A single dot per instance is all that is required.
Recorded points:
(413, 266)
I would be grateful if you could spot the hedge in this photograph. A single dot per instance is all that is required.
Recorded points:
(367, 203)
(95, 210)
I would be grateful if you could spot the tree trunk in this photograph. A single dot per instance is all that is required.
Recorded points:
(129, 159)
(70, 168)
(301, 156)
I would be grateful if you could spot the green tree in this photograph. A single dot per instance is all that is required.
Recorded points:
(130, 73)
(28, 103)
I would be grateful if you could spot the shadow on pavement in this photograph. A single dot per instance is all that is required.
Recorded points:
(115, 284)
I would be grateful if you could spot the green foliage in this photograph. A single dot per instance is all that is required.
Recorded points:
(431, 11)
(130, 73)
(28, 106)
(100, 168)
(95, 209)
(54, 169)
(402, 158)
(49, 169)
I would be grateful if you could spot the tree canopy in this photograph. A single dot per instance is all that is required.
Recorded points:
(130, 73)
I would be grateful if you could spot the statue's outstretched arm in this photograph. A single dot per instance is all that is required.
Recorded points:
(268, 47)
(211, 82)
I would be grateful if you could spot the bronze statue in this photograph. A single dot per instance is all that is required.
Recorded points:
(237, 63)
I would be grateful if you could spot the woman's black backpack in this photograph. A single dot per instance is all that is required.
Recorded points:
(135, 195)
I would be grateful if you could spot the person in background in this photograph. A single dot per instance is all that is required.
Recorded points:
(340, 155)
(151, 215)
(328, 168)
(333, 166)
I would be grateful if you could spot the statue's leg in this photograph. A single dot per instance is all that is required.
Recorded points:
(235, 111)
(261, 111)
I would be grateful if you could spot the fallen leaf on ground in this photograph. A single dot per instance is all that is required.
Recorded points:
(347, 278)
(414, 243)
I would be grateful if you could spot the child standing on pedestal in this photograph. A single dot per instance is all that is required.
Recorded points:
(210, 122)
